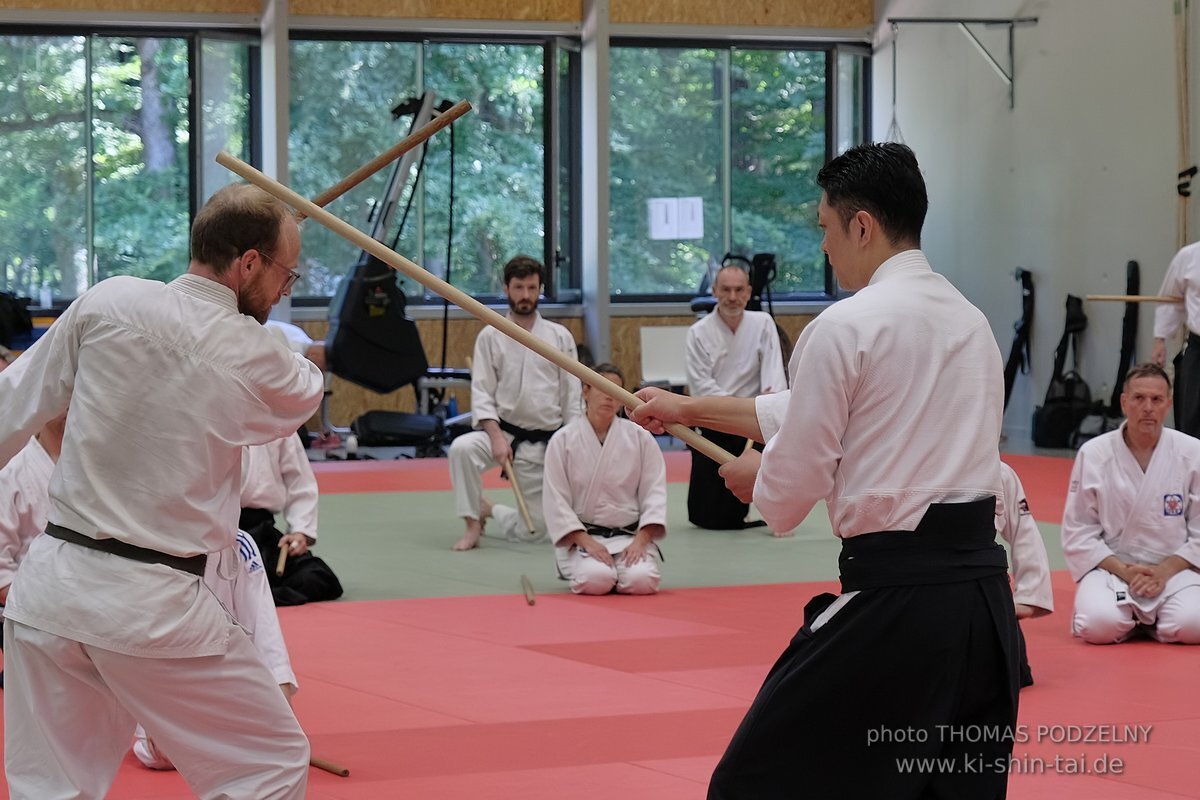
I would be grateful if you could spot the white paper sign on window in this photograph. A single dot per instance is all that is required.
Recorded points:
(691, 218)
(664, 217)
(675, 217)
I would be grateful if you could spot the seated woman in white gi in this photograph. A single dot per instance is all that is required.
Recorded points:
(240, 583)
(1131, 527)
(605, 499)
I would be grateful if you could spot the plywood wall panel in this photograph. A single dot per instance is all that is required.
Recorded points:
(151, 6)
(761, 13)
(522, 10)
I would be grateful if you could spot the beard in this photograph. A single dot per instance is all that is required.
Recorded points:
(252, 304)
(523, 307)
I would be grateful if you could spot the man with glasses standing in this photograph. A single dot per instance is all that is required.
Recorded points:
(108, 619)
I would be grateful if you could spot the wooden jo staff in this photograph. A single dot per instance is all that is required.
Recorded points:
(1135, 298)
(512, 478)
(329, 766)
(383, 159)
(461, 299)
(281, 561)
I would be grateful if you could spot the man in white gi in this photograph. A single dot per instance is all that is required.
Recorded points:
(239, 581)
(606, 499)
(278, 479)
(893, 419)
(1182, 280)
(108, 619)
(518, 401)
(731, 352)
(1131, 526)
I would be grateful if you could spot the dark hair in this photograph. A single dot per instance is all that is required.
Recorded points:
(1146, 370)
(523, 266)
(885, 181)
(237, 218)
(610, 369)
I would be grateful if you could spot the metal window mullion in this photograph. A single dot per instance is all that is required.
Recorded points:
(727, 151)
(418, 187)
(195, 124)
(550, 165)
(90, 168)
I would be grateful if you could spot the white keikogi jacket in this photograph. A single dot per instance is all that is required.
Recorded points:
(1113, 508)
(1182, 280)
(1030, 564)
(510, 382)
(896, 403)
(155, 462)
(741, 363)
(24, 500)
(278, 477)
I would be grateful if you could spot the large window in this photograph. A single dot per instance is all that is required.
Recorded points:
(715, 150)
(342, 96)
(107, 143)
(96, 154)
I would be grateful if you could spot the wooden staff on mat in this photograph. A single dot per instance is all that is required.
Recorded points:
(279, 563)
(415, 138)
(462, 300)
(329, 766)
(1135, 298)
(516, 487)
(527, 587)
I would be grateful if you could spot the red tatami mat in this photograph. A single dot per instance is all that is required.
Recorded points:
(636, 697)
(431, 474)
(1044, 477)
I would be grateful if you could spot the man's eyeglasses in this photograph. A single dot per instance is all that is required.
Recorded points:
(293, 275)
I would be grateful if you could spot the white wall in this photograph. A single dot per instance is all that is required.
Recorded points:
(1075, 181)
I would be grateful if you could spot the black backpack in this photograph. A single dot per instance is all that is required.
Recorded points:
(1068, 398)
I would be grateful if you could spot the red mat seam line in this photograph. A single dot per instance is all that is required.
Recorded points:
(742, 702)
(526, 647)
(365, 693)
(648, 768)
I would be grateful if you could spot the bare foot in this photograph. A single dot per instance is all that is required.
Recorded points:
(485, 510)
(470, 538)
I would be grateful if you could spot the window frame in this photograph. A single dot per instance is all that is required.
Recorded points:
(193, 36)
(551, 44)
(831, 49)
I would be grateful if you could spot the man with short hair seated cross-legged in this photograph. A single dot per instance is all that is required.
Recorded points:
(1131, 527)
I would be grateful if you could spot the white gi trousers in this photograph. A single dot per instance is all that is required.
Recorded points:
(471, 454)
(1106, 612)
(589, 575)
(222, 718)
